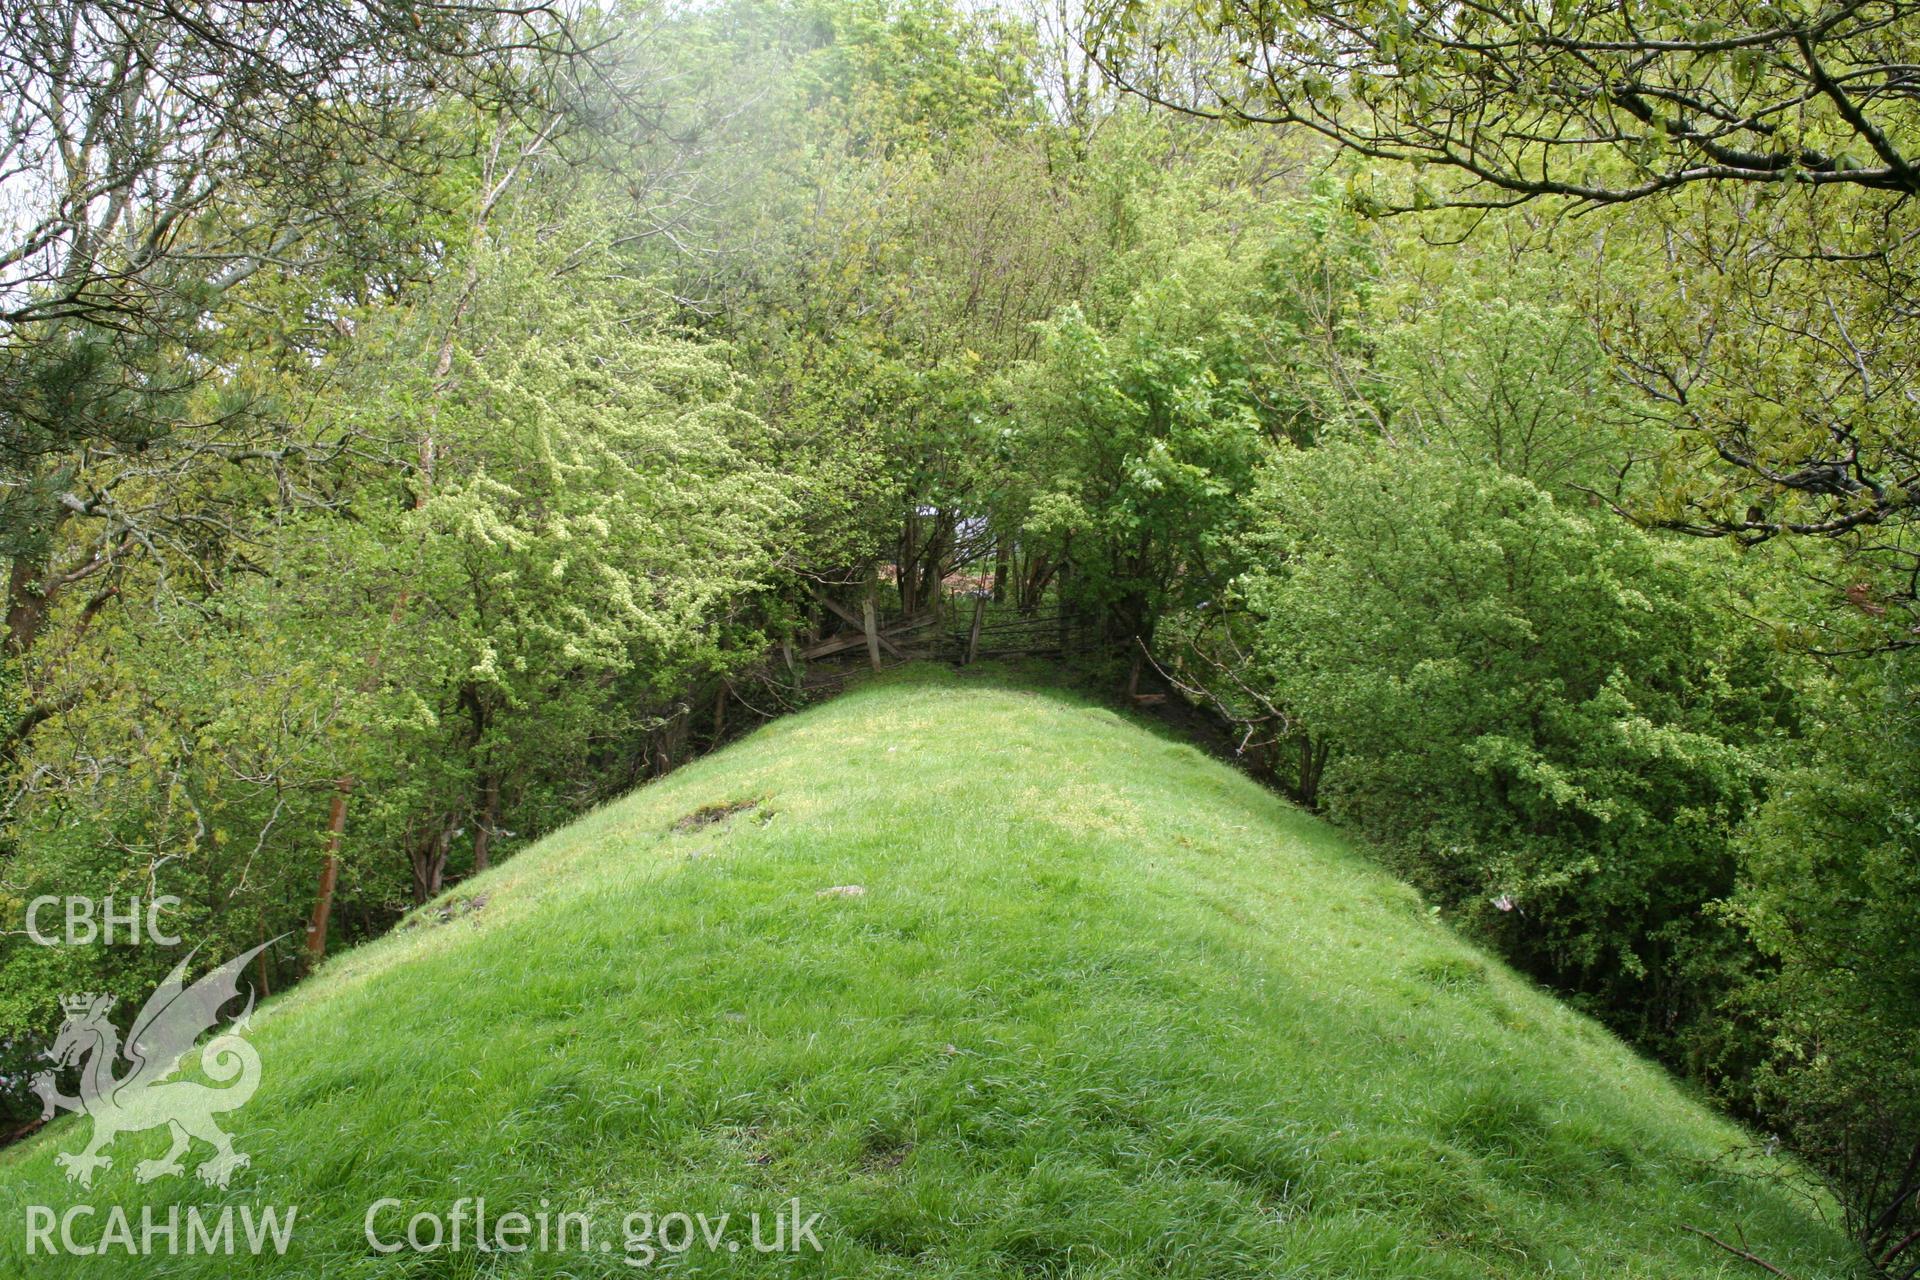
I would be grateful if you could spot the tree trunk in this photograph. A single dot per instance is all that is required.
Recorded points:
(260, 963)
(1312, 763)
(489, 819)
(669, 738)
(933, 560)
(316, 945)
(1033, 585)
(429, 857)
(26, 603)
(906, 569)
(794, 677)
(1066, 616)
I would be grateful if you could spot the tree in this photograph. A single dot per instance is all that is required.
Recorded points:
(596, 518)
(1830, 891)
(1541, 710)
(1585, 100)
(1128, 444)
(158, 158)
(478, 659)
(1771, 152)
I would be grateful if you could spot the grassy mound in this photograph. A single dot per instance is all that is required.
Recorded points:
(996, 983)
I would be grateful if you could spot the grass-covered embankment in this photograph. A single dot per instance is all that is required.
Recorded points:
(1104, 1007)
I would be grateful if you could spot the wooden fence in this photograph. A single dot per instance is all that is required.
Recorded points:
(961, 627)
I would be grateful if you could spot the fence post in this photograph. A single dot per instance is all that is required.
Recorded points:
(872, 626)
(1066, 620)
(973, 634)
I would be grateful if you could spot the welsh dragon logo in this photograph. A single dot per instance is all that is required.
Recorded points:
(142, 1097)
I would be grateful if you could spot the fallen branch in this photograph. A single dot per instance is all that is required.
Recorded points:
(1754, 1258)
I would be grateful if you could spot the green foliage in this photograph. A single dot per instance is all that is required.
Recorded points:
(1746, 174)
(549, 519)
(1830, 893)
(1134, 442)
(913, 75)
(1146, 447)
(1493, 363)
(1540, 708)
(593, 519)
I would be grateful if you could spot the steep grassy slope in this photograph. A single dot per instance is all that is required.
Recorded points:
(1103, 1008)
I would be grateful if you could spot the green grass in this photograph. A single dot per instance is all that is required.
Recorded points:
(1104, 1008)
